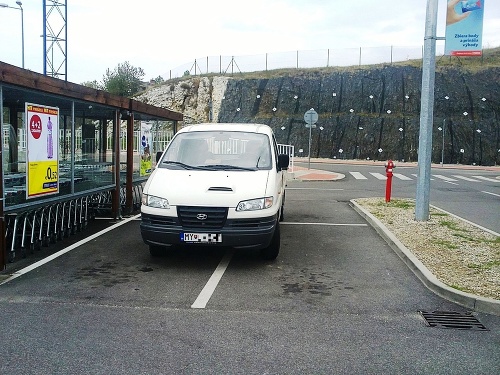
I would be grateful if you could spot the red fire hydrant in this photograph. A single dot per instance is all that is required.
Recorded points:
(389, 166)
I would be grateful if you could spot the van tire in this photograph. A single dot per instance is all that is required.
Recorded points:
(156, 251)
(272, 251)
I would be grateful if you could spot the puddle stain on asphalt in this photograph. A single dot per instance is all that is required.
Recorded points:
(108, 274)
(313, 283)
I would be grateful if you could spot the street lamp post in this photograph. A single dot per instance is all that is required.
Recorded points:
(22, 29)
(20, 4)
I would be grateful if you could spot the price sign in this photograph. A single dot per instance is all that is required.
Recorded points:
(42, 150)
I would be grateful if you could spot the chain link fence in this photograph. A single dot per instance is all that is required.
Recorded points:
(300, 59)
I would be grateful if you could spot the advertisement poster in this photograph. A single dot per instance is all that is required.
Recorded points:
(42, 124)
(464, 27)
(145, 149)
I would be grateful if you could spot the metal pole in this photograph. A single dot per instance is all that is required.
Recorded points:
(442, 147)
(22, 28)
(44, 4)
(3, 242)
(129, 201)
(310, 135)
(426, 114)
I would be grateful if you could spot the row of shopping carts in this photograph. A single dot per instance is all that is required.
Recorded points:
(30, 229)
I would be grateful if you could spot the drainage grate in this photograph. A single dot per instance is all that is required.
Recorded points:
(452, 319)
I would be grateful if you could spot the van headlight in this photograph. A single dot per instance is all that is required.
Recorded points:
(255, 204)
(156, 202)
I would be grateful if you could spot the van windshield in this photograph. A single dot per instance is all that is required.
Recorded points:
(212, 150)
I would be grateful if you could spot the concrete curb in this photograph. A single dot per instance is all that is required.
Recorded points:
(471, 301)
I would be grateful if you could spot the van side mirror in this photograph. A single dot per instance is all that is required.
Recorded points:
(283, 162)
(158, 156)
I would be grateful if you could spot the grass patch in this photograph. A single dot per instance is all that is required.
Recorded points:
(466, 238)
(485, 266)
(496, 241)
(451, 225)
(446, 244)
(459, 288)
(398, 203)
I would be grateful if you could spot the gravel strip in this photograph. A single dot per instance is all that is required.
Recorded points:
(459, 254)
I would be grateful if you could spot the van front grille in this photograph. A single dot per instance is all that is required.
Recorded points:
(202, 217)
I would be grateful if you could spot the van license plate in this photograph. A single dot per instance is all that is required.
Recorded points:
(201, 237)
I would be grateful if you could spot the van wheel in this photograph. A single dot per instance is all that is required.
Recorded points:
(272, 251)
(156, 251)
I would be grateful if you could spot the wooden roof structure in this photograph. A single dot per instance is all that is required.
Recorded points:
(20, 86)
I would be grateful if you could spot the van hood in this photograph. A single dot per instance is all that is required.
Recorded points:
(207, 188)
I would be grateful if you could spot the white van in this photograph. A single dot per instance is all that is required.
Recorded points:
(219, 185)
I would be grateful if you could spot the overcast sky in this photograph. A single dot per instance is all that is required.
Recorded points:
(159, 35)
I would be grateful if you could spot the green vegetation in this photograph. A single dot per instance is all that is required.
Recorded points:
(446, 244)
(451, 225)
(398, 203)
(465, 290)
(485, 266)
(466, 238)
(124, 80)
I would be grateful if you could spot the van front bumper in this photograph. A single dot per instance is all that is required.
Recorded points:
(255, 233)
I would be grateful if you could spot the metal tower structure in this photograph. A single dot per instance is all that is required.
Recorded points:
(55, 38)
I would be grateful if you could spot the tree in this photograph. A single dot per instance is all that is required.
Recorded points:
(92, 84)
(158, 80)
(124, 80)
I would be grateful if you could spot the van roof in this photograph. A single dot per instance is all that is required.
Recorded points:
(239, 127)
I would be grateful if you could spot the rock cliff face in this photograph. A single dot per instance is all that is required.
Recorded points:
(363, 113)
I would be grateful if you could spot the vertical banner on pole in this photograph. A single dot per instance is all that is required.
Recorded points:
(145, 149)
(42, 156)
(464, 27)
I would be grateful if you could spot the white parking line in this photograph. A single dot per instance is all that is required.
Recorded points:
(326, 224)
(289, 188)
(487, 192)
(486, 179)
(203, 298)
(379, 176)
(358, 176)
(402, 177)
(447, 179)
(465, 178)
(414, 174)
(65, 250)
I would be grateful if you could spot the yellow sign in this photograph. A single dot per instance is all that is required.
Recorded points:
(43, 178)
(42, 150)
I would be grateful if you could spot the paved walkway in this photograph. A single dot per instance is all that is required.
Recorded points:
(305, 174)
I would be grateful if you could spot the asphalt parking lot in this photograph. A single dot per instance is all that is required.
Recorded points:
(337, 300)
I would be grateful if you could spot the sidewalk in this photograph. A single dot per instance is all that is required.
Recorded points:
(305, 174)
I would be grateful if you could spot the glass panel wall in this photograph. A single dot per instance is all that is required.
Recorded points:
(85, 163)
(144, 145)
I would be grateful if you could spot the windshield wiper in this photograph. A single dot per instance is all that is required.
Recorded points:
(178, 163)
(228, 167)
